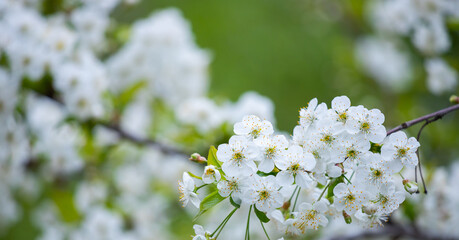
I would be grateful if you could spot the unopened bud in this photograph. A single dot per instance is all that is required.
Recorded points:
(340, 165)
(347, 218)
(370, 209)
(286, 205)
(454, 99)
(410, 186)
(196, 157)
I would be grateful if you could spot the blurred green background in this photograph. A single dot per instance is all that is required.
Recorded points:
(295, 50)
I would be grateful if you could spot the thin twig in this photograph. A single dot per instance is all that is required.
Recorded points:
(417, 150)
(432, 116)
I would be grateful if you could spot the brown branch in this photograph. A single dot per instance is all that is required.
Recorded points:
(429, 117)
(166, 149)
(393, 230)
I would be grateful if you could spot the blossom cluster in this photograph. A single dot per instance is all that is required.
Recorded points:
(69, 96)
(425, 23)
(438, 209)
(342, 152)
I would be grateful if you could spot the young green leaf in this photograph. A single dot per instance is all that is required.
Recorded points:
(212, 157)
(234, 203)
(332, 186)
(208, 202)
(261, 215)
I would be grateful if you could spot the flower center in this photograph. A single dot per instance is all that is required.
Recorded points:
(402, 152)
(232, 185)
(342, 117)
(327, 138)
(270, 152)
(255, 132)
(376, 173)
(350, 198)
(365, 126)
(295, 167)
(263, 195)
(351, 154)
(383, 199)
(210, 171)
(238, 156)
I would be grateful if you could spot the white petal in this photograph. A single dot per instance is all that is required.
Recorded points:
(266, 166)
(303, 180)
(241, 129)
(284, 178)
(340, 190)
(341, 104)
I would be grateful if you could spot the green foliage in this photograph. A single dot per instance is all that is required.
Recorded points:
(64, 202)
(332, 186)
(212, 158)
(128, 95)
(208, 202)
(234, 203)
(49, 7)
(261, 215)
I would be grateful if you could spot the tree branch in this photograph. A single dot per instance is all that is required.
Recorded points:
(125, 135)
(166, 149)
(393, 230)
(429, 117)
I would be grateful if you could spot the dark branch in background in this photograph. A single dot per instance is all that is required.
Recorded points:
(393, 230)
(123, 134)
(145, 141)
(429, 117)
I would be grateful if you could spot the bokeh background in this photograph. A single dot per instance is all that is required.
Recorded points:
(289, 51)
(295, 50)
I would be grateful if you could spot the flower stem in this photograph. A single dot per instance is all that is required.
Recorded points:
(264, 230)
(323, 192)
(222, 225)
(348, 180)
(293, 194)
(296, 199)
(197, 188)
(247, 232)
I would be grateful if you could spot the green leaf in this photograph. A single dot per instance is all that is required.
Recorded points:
(212, 158)
(261, 215)
(208, 202)
(126, 96)
(234, 203)
(332, 186)
(64, 202)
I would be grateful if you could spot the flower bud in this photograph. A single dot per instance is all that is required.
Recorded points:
(370, 209)
(196, 157)
(410, 186)
(340, 165)
(286, 205)
(347, 218)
